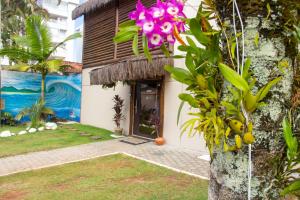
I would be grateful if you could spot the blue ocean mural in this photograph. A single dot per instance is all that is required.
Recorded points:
(63, 93)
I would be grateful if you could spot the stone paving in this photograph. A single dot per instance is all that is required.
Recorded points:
(181, 160)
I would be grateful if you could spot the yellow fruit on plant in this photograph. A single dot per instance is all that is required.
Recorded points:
(249, 138)
(238, 141)
(202, 82)
(236, 126)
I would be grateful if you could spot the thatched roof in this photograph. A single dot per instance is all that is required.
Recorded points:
(137, 68)
(89, 6)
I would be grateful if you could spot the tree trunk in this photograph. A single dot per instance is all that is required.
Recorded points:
(43, 88)
(228, 179)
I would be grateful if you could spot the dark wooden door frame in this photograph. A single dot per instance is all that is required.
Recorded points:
(161, 106)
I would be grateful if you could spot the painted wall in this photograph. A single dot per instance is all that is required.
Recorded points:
(20, 90)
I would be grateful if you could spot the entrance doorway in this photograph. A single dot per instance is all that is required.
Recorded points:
(147, 109)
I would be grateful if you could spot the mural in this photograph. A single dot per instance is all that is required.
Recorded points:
(63, 93)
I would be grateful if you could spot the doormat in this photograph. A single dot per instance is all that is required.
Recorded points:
(134, 141)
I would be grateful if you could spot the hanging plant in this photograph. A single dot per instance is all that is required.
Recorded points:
(224, 121)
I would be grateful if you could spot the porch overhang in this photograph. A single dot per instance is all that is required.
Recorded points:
(137, 68)
(89, 6)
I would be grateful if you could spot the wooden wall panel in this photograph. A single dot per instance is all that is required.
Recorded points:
(100, 27)
(99, 30)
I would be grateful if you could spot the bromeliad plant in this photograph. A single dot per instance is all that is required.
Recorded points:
(222, 114)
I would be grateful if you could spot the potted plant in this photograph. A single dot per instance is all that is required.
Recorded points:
(118, 107)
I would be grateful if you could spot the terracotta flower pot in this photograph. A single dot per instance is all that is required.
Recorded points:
(160, 141)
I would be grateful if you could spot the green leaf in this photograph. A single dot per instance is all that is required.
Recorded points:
(197, 32)
(129, 29)
(165, 50)
(180, 74)
(189, 99)
(146, 48)
(189, 62)
(246, 68)
(124, 36)
(127, 23)
(290, 140)
(233, 46)
(135, 47)
(179, 111)
(295, 186)
(191, 43)
(233, 77)
(262, 93)
(70, 37)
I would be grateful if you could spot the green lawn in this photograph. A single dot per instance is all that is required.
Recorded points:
(116, 177)
(49, 139)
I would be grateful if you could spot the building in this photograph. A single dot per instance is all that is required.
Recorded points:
(149, 90)
(61, 25)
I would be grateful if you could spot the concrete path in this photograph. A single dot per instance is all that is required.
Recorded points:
(181, 160)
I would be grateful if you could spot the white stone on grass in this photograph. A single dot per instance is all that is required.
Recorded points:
(32, 130)
(41, 128)
(51, 126)
(22, 132)
(5, 134)
(27, 129)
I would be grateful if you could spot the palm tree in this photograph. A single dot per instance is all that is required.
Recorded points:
(33, 51)
(14, 13)
(36, 112)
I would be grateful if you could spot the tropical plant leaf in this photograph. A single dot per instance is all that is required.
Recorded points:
(195, 27)
(18, 54)
(262, 93)
(295, 186)
(165, 50)
(127, 23)
(54, 66)
(233, 77)
(70, 37)
(189, 99)
(124, 36)
(135, 47)
(146, 49)
(38, 36)
(22, 67)
(290, 140)
(180, 74)
(179, 111)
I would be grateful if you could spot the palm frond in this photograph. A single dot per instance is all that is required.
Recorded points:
(54, 66)
(70, 37)
(21, 67)
(19, 54)
(47, 111)
(22, 113)
(38, 36)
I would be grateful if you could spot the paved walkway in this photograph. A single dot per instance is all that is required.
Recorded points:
(181, 160)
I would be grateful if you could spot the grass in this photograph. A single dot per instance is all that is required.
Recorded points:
(67, 135)
(112, 177)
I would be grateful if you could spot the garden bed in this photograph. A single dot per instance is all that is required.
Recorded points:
(111, 177)
(63, 136)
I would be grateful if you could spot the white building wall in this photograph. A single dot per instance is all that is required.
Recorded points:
(97, 104)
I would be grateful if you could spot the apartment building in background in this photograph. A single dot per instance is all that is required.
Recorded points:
(61, 25)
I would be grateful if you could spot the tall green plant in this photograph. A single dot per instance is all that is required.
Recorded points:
(36, 113)
(33, 51)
